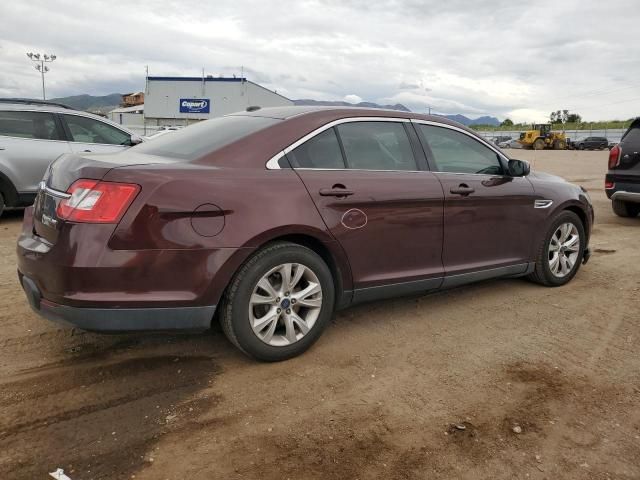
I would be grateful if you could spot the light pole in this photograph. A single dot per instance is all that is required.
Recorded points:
(41, 60)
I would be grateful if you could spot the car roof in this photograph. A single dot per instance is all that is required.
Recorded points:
(32, 104)
(286, 113)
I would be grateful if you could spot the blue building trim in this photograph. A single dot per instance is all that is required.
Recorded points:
(198, 79)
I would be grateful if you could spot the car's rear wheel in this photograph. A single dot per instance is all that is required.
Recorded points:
(1, 204)
(581, 146)
(625, 209)
(560, 255)
(279, 302)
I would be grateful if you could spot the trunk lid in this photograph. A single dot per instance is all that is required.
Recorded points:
(67, 169)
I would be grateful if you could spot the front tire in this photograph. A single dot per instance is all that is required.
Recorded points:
(625, 209)
(538, 144)
(279, 302)
(561, 253)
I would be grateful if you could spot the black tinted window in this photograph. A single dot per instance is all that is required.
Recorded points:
(321, 151)
(457, 152)
(39, 125)
(205, 137)
(377, 146)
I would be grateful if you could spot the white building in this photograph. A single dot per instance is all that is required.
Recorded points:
(183, 100)
(133, 116)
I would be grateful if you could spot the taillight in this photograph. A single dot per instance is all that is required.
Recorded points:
(608, 184)
(614, 157)
(93, 201)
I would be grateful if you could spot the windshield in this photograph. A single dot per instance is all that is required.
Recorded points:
(205, 137)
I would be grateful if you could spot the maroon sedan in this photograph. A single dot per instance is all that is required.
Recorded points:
(270, 220)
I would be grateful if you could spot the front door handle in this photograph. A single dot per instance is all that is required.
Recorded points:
(335, 192)
(462, 189)
(86, 150)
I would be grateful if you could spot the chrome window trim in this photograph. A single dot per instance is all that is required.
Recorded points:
(54, 193)
(272, 164)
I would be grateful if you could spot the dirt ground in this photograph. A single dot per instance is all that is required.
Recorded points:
(424, 388)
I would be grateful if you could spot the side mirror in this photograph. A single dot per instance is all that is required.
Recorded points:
(519, 168)
(135, 140)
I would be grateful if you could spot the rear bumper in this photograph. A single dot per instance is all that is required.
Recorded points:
(118, 319)
(632, 197)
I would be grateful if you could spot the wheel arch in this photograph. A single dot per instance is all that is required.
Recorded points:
(318, 241)
(8, 190)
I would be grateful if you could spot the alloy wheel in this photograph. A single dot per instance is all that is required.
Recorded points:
(285, 304)
(564, 249)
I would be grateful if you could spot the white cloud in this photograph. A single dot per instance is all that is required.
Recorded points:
(352, 98)
(476, 58)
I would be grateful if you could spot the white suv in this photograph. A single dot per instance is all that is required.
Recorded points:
(34, 133)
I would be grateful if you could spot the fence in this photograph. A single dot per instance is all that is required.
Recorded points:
(612, 134)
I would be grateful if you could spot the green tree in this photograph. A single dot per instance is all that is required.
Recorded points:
(507, 123)
(574, 118)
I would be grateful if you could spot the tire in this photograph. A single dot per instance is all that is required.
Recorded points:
(581, 146)
(560, 145)
(1, 204)
(538, 144)
(625, 209)
(543, 273)
(283, 337)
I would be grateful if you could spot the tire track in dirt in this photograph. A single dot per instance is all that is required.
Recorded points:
(99, 418)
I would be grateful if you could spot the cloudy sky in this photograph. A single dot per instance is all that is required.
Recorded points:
(503, 58)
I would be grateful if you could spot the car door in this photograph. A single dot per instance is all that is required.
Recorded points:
(29, 142)
(487, 213)
(367, 180)
(91, 135)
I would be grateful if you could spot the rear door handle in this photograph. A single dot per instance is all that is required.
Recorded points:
(462, 189)
(335, 192)
(86, 150)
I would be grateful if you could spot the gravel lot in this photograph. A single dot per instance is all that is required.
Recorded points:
(428, 387)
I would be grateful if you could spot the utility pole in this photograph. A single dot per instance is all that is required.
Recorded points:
(41, 60)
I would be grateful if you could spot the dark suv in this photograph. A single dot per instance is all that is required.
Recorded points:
(272, 219)
(622, 182)
(591, 143)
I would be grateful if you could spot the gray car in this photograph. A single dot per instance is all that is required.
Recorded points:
(35, 133)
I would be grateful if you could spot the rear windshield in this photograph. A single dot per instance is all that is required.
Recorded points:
(205, 137)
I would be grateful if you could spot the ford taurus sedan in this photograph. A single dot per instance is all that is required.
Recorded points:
(271, 220)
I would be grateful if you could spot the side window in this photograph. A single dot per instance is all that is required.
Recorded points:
(88, 130)
(376, 146)
(459, 153)
(321, 151)
(38, 125)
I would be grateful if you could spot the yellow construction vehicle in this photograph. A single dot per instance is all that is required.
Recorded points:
(541, 137)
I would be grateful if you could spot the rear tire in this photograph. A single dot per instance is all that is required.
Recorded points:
(1, 204)
(554, 246)
(625, 209)
(259, 313)
(581, 146)
(538, 144)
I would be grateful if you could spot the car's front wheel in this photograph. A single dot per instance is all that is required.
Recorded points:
(560, 255)
(625, 209)
(279, 302)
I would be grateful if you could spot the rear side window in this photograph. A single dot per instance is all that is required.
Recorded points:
(205, 137)
(89, 130)
(321, 151)
(632, 136)
(34, 125)
(459, 153)
(376, 146)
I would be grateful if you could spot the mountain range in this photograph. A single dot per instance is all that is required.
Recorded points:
(105, 103)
